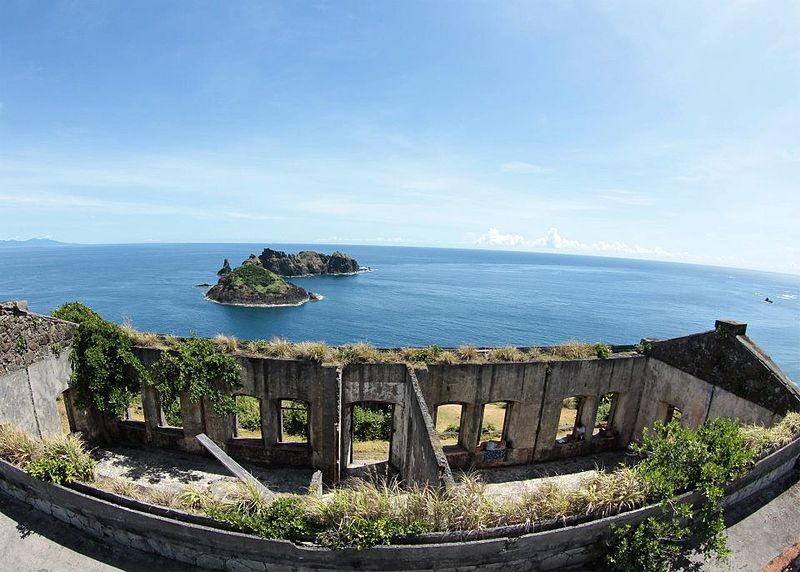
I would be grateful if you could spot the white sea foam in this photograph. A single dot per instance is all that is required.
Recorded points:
(257, 305)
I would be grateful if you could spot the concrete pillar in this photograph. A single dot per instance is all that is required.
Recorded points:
(219, 428)
(153, 415)
(192, 417)
(271, 421)
(346, 432)
(588, 414)
(471, 415)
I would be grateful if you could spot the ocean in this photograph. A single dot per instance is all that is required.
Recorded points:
(417, 296)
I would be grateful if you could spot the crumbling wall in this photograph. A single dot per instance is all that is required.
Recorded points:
(727, 358)
(34, 368)
(424, 461)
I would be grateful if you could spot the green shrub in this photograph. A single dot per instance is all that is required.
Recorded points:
(62, 460)
(372, 422)
(284, 518)
(248, 412)
(295, 422)
(20, 345)
(101, 354)
(675, 459)
(364, 532)
(196, 367)
(602, 350)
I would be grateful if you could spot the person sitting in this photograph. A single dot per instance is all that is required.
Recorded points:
(580, 431)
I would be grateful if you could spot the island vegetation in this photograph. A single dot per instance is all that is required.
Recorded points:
(253, 285)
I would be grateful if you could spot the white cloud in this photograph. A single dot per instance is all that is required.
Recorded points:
(552, 240)
(525, 168)
(494, 237)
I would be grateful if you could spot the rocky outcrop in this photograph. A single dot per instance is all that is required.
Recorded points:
(226, 268)
(253, 285)
(307, 263)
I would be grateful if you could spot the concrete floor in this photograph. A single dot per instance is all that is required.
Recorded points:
(155, 468)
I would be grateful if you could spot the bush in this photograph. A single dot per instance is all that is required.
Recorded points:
(295, 422)
(364, 532)
(372, 422)
(248, 412)
(197, 368)
(283, 518)
(675, 459)
(101, 354)
(62, 460)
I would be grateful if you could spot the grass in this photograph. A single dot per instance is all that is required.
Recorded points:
(572, 349)
(761, 439)
(507, 353)
(370, 450)
(362, 352)
(226, 343)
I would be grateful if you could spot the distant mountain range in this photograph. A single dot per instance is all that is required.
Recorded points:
(30, 242)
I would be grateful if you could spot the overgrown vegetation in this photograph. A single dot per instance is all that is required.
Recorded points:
(255, 277)
(675, 459)
(372, 422)
(196, 368)
(59, 459)
(101, 353)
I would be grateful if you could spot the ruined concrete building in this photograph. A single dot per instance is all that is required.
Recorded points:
(718, 373)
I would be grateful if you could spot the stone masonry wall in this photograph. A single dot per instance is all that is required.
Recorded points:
(26, 338)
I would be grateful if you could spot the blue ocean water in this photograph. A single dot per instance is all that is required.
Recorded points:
(417, 296)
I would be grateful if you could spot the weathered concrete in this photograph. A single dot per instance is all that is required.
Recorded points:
(644, 388)
(553, 547)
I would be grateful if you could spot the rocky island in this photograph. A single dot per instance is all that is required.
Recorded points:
(253, 285)
(308, 263)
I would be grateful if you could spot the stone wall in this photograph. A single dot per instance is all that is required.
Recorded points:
(727, 358)
(26, 338)
(34, 368)
(150, 529)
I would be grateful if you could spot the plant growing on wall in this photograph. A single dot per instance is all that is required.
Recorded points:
(197, 368)
(101, 354)
(676, 459)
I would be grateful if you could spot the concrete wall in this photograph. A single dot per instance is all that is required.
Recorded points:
(698, 400)
(150, 529)
(34, 368)
(424, 462)
(644, 389)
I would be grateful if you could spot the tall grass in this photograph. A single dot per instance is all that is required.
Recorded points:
(314, 351)
(226, 343)
(58, 458)
(507, 353)
(572, 349)
(760, 439)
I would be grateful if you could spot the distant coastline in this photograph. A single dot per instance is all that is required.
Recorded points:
(31, 242)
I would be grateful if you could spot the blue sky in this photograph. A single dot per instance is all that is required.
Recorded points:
(667, 131)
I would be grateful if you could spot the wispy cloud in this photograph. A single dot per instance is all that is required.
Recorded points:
(627, 198)
(525, 168)
(60, 201)
(552, 240)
